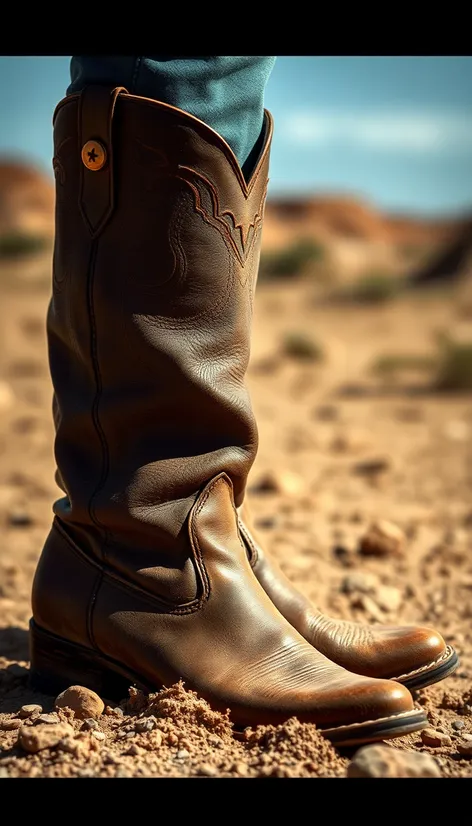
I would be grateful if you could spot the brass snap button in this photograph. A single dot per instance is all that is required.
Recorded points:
(94, 155)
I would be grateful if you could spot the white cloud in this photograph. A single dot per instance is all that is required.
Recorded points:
(401, 130)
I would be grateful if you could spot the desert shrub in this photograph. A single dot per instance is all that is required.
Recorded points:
(454, 371)
(374, 288)
(291, 261)
(303, 347)
(17, 244)
(387, 366)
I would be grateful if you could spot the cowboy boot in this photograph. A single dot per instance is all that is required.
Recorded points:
(144, 578)
(415, 656)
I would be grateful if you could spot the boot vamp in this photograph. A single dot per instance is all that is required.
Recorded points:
(376, 650)
(232, 645)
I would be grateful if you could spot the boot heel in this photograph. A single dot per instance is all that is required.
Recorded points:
(57, 664)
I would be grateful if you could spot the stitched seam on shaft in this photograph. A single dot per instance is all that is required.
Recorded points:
(107, 573)
(99, 430)
(249, 541)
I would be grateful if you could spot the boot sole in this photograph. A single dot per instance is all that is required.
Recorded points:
(442, 667)
(57, 664)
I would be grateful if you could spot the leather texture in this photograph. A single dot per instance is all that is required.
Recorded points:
(384, 651)
(149, 335)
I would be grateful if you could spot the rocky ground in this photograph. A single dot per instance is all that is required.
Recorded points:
(339, 450)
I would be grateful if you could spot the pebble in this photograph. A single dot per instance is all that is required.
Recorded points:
(283, 482)
(206, 770)
(388, 597)
(11, 725)
(372, 467)
(431, 737)
(182, 754)
(386, 761)
(465, 748)
(89, 724)
(382, 539)
(458, 725)
(366, 583)
(98, 735)
(28, 710)
(145, 725)
(83, 702)
(36, 738)
(367, 604)
(19, 519)
(48, 719)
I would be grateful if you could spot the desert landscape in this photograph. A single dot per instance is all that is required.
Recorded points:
(361, 381)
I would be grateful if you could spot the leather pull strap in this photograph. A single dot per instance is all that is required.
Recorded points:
(96, 197)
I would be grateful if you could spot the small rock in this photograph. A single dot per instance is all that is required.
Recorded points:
(48, 719)
(32, 708)
(431, 737)
(283, 482)
(366, 583)
(388, 598)
(90, 724)
(367, 604)
(98, 735)
(118, 712)
(11, 725)
(19, 519)
(383, 538)
(207, 771)
(386, 761)
(372, 467)
(458, 725)
(145, 725)
(240, 768)
(83, 702)
(36, 738)
(465, 748)
(182, 754)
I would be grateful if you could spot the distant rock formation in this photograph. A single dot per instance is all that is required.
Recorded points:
(26, 199)
(351, 218)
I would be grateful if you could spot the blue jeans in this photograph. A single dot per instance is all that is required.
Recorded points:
(227, 93)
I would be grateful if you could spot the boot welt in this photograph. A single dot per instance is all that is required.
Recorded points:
(435, 671)
(57, 664)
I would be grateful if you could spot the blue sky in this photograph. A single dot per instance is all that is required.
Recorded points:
(394, 130)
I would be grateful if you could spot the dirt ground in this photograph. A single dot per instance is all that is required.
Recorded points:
(342, 450)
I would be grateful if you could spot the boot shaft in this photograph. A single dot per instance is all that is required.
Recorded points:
(155, 262)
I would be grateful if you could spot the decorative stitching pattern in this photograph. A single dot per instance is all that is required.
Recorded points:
(250, 545)
(354, 726)
(238, 236)
(444, 656)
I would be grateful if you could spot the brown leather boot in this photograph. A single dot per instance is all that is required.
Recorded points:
(412, 655)
(144, 577)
